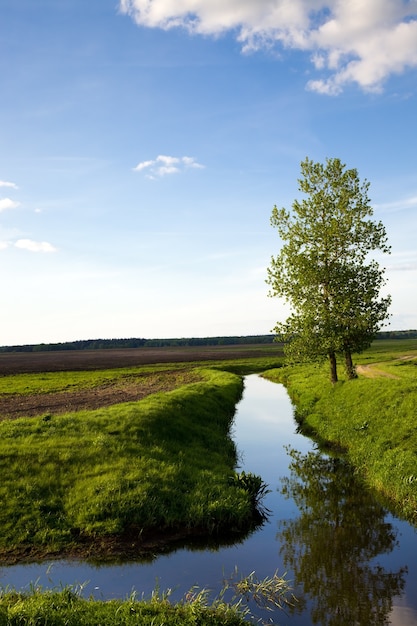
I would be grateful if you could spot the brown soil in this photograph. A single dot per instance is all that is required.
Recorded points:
(134, 546)
(66, 360)
(125, 390)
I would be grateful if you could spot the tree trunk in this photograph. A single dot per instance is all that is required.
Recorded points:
(333, 367)
(350, 368)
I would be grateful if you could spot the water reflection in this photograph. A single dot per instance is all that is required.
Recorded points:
(333, 546)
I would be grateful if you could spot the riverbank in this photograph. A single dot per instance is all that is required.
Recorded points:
(131, 478)
(371, 419)
(183, 569)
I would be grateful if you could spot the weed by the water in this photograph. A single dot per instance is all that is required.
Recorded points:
(67, 606)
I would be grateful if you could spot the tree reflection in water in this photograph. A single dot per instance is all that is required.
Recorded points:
(332, 547)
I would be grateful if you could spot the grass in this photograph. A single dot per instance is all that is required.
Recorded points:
(72, 381)
(163, 464)
(243, 367)
(67, 607)
(372, 419)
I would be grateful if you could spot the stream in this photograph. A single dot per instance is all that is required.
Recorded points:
(348, 559)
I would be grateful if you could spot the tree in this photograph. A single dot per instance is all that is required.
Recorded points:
(324, 270)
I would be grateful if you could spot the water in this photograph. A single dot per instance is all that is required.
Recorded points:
(350, 561)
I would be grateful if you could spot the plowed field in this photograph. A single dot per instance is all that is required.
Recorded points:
(65, 360)
(125, 388)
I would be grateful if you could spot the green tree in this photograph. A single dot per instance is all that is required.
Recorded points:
(324, 270)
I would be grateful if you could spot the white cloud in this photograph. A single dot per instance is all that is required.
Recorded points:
(4, 183)
(354, 41)
(144, 165)
(398, 205)
(7, 203)
(402, 267)
(163, 165)
(404, 261)
(23, 244)
(34, 246)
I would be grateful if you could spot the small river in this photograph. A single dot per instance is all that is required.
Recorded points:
(348, 559)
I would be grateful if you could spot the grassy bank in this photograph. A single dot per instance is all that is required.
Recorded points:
(372, 419)
(66, 608)
(137, 472)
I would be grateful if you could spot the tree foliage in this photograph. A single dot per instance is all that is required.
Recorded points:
(324, 270)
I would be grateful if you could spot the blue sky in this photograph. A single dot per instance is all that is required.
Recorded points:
(144, 144)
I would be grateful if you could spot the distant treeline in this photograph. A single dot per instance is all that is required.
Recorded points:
(108, 344)
(397, 334)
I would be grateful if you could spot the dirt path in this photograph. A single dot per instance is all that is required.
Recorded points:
(373, 371)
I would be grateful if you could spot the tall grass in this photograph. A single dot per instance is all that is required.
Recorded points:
(164, 463)
(371, 420)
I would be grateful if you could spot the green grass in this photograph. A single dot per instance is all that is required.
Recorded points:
(67, 608)
(243, 367)
(371, 420)
(166, 463)
(53, 382)
(71, 381)
(390, 348)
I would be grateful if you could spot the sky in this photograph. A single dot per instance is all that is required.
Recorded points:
(144, 143)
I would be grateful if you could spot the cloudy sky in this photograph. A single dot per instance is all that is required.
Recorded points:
(144, 144)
